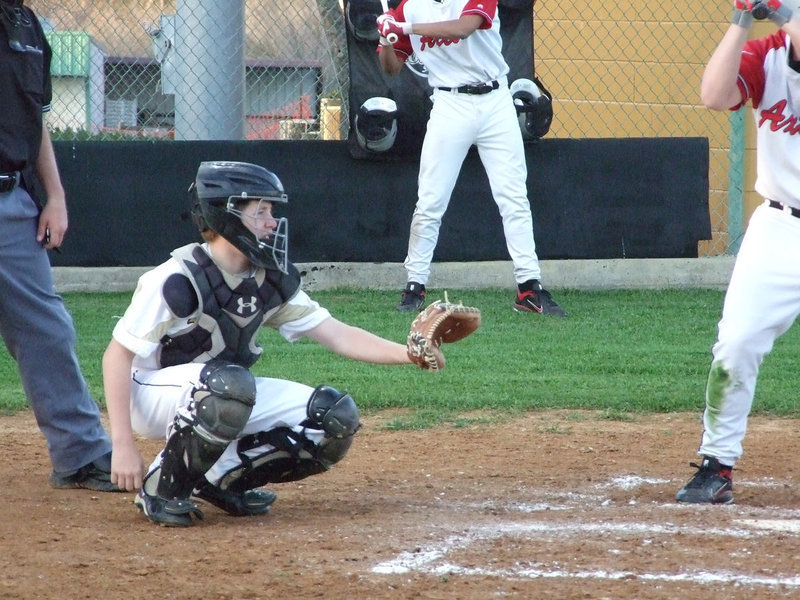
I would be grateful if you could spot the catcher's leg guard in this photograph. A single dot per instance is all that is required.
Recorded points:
(293, 456)
(220, 408)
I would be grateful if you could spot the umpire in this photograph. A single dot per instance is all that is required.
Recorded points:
(35, 326)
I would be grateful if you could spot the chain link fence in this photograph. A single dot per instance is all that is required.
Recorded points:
(278, 69)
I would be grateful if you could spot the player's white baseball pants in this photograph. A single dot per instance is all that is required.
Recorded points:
(762, 302)
(158, 395)
(490, 122)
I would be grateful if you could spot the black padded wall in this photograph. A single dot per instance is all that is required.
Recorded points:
(591, 198)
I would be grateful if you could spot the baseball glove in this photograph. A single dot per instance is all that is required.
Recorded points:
(441, 323)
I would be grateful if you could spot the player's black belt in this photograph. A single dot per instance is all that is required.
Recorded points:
(9, 181)
(795, 212)
(483, 88)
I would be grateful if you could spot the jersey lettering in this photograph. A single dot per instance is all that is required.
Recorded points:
(429, 42)
(778, 120)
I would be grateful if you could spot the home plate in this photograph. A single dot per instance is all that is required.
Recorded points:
(788, 526)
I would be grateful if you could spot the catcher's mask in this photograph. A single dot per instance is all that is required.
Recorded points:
(219, 193)
(361, 16)
(534, 108)
(376, 124)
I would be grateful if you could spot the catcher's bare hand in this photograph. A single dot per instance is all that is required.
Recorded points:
(441, 323)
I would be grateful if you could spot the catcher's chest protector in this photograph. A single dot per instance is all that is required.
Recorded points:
(232, 308)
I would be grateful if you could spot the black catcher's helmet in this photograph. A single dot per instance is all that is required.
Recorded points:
(534, 107)
(218, 193)
(376, 124)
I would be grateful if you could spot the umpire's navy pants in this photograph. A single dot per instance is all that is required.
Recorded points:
(40, 335)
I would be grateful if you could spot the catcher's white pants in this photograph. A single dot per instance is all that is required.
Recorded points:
(458, 121)
(762, 302)
(156, 397)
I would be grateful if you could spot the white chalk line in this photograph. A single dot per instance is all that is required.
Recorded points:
(431, 559)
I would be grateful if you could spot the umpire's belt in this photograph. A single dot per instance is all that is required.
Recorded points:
(9, 181)
(483, 88)
(795, 212)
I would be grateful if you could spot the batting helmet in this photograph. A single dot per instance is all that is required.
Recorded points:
(361, 16)
(534, 108)
(376, 124)
(218, 194)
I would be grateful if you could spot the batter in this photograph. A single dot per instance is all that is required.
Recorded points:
(459, 43)
(763, 297)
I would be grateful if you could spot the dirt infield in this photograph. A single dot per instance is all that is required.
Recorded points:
(552, 505)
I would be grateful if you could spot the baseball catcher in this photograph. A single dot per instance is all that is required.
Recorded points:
(180, 357)
(441, 323)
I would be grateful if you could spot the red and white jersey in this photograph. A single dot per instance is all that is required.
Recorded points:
(453, 63)
(766, 79)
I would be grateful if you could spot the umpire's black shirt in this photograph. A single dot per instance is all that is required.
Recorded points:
(25, 88)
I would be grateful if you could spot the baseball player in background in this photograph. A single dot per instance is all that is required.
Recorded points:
(459, 43)
(763, 297)
(178, 363)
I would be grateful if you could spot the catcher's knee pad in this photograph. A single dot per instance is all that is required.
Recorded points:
(220, 408)
(332, 411)
(223, 401)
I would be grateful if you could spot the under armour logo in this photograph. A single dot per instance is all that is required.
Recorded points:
(250, 305)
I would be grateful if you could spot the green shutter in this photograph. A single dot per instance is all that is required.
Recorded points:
(70, 53)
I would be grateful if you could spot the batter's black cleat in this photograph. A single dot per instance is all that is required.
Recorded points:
(537, 300)
(169, 513)
(238, 504)
(94, 476)
(413, 297)
(712, 484)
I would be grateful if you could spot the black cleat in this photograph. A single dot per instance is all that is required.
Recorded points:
(538, 300)
(94, 476)
(238, 504)
(169, 513)
(712, 484)
(413, 297)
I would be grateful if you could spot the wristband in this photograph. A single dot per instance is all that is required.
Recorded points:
(781, 16)
(742, 18)
(406, 27)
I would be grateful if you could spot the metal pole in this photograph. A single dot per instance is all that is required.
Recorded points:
(209, 46)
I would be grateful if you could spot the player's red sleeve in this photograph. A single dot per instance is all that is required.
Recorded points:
(484, 8)
(751, 78)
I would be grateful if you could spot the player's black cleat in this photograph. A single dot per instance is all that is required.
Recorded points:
(537, 300)
(94, 476)
(238, 504)
(169, 513)
(413, 297)
(712, 484)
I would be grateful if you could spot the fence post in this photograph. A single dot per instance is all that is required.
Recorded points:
(736, 182)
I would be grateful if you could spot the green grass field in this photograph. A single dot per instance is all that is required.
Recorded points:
(622, 352)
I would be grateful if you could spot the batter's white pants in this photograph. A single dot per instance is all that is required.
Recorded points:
(458, 121)
(157, 396)
(762, 302)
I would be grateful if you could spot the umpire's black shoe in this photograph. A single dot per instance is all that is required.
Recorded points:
(169, 513)
(532, 297)
(94, 476)
(712, 484)
(413, 297)
(238, 504)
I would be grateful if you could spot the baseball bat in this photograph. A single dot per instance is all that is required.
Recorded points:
(392, 37)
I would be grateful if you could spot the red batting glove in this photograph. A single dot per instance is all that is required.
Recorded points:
(383, 18)
(391, 29)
